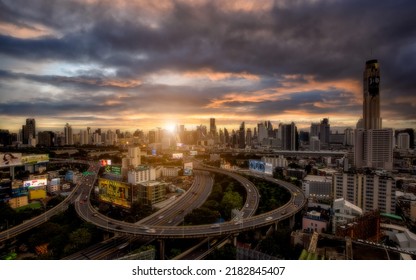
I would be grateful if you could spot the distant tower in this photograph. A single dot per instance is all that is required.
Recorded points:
(242, 136)
(212, 127)
(371, 104)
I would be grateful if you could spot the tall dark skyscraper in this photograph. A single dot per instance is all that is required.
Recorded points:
(29, 130)
(373, 146)
(242, 136)
(371, 104)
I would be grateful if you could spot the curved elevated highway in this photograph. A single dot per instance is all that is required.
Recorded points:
(154, 229)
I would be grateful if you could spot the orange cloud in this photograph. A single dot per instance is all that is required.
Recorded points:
(36, 30)
(216, 76)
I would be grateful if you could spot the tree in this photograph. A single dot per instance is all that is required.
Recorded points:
(80, 237)
(231, 200)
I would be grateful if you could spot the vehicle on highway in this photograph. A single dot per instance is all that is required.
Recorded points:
(215, 226)
(247, 205)
(160, 217)
(144, 227)
(283, 212)
(151, 230)
(268, 218)
(238, 222)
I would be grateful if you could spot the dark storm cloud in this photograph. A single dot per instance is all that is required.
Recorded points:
(329, 40)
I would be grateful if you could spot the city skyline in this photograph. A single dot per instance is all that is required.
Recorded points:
(116, 64)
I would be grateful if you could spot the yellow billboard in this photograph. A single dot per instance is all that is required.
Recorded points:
(37, 194)
(114, 192)
(34, 159)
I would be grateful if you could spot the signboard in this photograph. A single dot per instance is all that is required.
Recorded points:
(256, 165)
(114, 192)
(35, 183)
(10, 159)
(34, 159)
(113, 169)
(193, 153)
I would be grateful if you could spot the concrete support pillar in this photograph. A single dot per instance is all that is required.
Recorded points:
(162, 249)
(292, 222)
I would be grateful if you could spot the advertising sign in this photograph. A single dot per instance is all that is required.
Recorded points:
(256, 165)
(37, 194)
(34, 159)
(114, 192)
(35, 183)
(193, 153)
(10, 159)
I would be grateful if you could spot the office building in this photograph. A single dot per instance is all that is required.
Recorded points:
(212, 127)
(69, 137)
(403, 141)
(288, 135)
(29, 131)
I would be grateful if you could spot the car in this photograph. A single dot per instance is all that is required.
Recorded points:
(215, 226)
(160, 217)
(247, 205)
(150, 230)
(283, 212)
(144, 227)
(170, 221)
(238, 222)
(94, 215)
(268, 218)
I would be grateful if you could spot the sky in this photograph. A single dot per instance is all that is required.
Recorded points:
(143, 64)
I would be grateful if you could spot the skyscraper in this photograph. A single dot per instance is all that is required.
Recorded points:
(288, 132)
(29, 130)
(212, 127)
(373, 145)
(242, 136)
(371, 104)
(69, 137)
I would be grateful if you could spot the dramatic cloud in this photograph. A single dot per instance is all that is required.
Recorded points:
(134, 64)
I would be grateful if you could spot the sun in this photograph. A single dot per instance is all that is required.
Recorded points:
(170, 127)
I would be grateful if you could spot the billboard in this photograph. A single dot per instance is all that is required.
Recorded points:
(21, 191)
(37, 194)
(114, 192)
(193, 153)
(187, 168)
(10, 159)
(113, 169)
(34, 159)
(256, 165)
(35, 183)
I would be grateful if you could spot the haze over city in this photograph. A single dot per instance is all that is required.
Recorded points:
(145, 64)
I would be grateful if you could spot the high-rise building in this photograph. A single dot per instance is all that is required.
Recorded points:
(69, 137)
(212, 127)
(288, 134)
(373, 145)
(371, 104)
(46, 138)
(324, 133)
(29, 130)
(242, 136)
(367, 191)
(403, 141)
